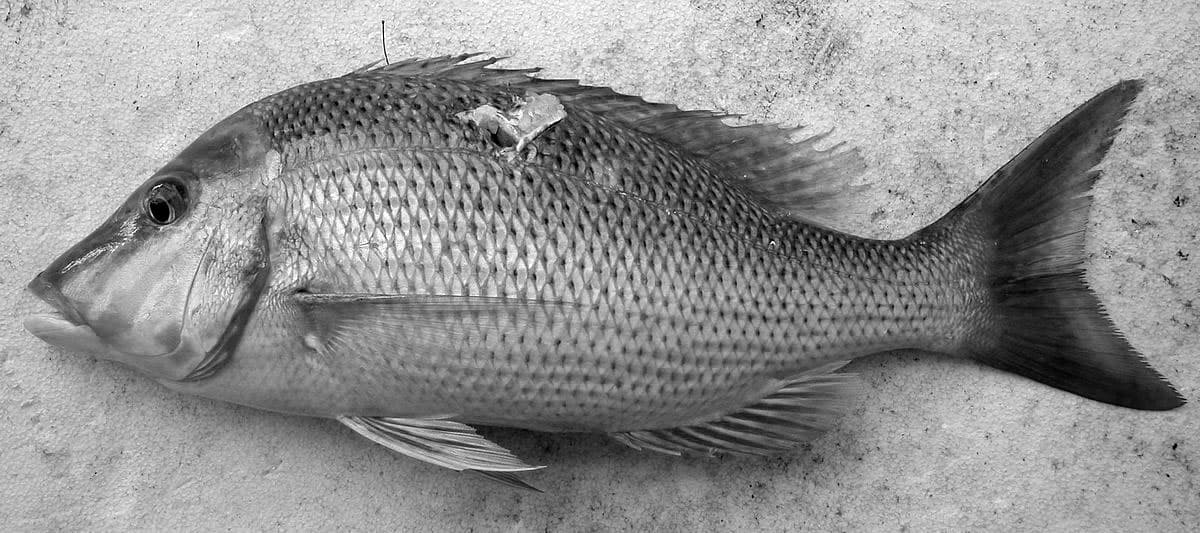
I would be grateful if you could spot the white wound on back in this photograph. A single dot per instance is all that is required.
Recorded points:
(516, 127)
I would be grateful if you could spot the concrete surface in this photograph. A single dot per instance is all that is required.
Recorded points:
(96, 95)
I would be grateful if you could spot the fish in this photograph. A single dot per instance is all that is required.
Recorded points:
(419, 248)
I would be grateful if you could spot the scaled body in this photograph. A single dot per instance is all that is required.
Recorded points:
(635, 284)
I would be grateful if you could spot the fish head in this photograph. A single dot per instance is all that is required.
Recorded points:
(166, 284)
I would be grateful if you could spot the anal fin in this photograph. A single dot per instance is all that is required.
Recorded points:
(801, 409)
(444, 443)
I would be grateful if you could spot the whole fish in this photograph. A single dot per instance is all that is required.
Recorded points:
(420, 247)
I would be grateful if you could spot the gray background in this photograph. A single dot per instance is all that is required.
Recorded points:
(937, 94)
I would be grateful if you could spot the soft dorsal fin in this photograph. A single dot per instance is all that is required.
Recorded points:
(786, 175)
(801, 409)
(444, 443)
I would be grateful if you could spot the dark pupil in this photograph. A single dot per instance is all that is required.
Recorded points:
(165, 203)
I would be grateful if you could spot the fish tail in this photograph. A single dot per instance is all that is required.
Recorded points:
(1029, 218)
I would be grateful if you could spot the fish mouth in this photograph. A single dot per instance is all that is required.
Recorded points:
(64, 327)
(45, 290)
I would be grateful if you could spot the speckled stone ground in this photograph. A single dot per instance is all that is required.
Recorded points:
(97, 95)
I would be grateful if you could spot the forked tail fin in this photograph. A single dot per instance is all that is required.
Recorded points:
(1046, 323)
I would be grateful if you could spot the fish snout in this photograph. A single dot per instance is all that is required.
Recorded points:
(46, 287)
(106, 305)
(65, 327)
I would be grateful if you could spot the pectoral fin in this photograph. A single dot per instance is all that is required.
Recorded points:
(507, 478)
(444, 443)
(799, 410)
(427, 322)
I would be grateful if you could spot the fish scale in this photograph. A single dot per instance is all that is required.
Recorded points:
(686, 297)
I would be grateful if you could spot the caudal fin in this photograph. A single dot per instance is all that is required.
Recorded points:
(1047, 324)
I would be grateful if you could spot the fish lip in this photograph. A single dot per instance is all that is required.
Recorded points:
(62, 326)
(45, 289)
(54, 330)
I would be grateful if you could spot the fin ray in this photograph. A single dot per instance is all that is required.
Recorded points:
(440, 442)
(1047, 324)
(425, 321)
(507, 478)
(809, 405)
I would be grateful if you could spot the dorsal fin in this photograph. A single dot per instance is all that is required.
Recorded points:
(785, 175)
(801, 409)
(454, 68)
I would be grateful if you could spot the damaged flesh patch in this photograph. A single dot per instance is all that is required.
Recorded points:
(515, 128)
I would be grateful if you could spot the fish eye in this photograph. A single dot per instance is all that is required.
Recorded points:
(165, 202)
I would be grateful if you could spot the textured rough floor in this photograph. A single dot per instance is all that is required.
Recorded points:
(938, 94)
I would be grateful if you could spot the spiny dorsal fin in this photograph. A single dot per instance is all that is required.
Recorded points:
(444, 443)
(786, 175)
(452, 67)
(800, 410)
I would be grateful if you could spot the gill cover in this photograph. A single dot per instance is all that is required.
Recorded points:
(167, 283)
